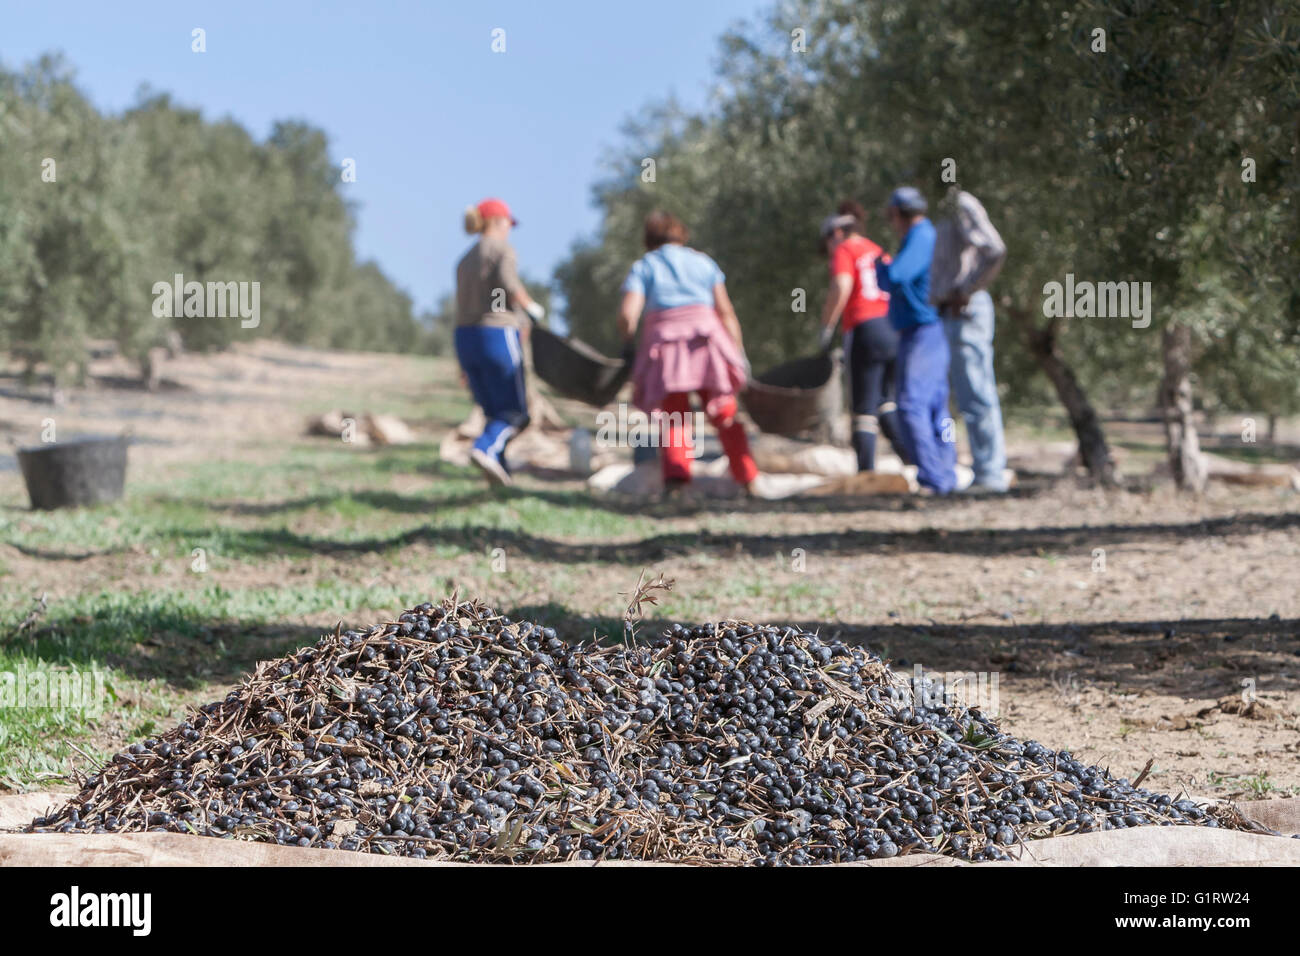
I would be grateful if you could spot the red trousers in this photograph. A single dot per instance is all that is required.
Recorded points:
(675, 441)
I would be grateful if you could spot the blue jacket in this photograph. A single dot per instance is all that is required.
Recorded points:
(907, 278)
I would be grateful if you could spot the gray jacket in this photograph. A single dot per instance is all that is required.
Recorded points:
(968, 252)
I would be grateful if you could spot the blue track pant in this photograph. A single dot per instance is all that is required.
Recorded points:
(928, 432)
(494, 364)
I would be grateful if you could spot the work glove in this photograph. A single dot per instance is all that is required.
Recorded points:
(827, 337)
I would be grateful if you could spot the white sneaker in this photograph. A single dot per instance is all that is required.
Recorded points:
(491, 468)
(764, 488)
(979, 488)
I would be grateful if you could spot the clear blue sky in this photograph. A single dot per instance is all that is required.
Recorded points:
(413, 92)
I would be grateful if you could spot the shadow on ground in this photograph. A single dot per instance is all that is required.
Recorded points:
(585, 500)
(182, 650)
(1205, 657)
(1198, 658)
(660, 547)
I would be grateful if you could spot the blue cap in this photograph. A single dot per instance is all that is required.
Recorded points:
(908, 199)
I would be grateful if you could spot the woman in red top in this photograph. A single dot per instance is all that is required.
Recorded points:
(870, 342)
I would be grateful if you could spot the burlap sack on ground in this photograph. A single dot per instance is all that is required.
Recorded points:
(1145, 846)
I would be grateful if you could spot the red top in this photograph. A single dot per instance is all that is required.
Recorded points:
(856, 256)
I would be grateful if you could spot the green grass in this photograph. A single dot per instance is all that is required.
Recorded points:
(36, 739)
(249, 511)
(453, 403)
(1260, 786)
(1258, 454)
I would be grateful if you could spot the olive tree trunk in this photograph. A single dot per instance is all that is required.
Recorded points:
(1094, 450)
(1186, 463)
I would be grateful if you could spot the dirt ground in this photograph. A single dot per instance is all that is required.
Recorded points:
(1128, 626)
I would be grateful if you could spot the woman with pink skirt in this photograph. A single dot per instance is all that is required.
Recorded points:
(690, 344)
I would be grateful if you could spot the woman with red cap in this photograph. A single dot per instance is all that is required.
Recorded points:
(488, 328)
(691, 344)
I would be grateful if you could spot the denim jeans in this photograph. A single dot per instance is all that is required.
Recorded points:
(970, 339)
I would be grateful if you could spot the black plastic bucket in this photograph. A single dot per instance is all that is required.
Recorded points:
(576, 370)
(68, 474)
(798, 399)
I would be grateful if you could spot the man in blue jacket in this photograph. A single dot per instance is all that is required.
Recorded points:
(923, 355)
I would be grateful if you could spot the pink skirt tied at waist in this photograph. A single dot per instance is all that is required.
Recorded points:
(685, 349)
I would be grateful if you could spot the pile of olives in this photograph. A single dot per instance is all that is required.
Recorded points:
(455, 733)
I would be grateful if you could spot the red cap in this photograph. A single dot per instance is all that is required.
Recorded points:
(493, 208)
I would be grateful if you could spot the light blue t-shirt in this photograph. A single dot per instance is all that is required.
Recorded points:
(673, 276)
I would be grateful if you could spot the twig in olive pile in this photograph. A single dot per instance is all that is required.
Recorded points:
(454, 733)
(641, 595)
